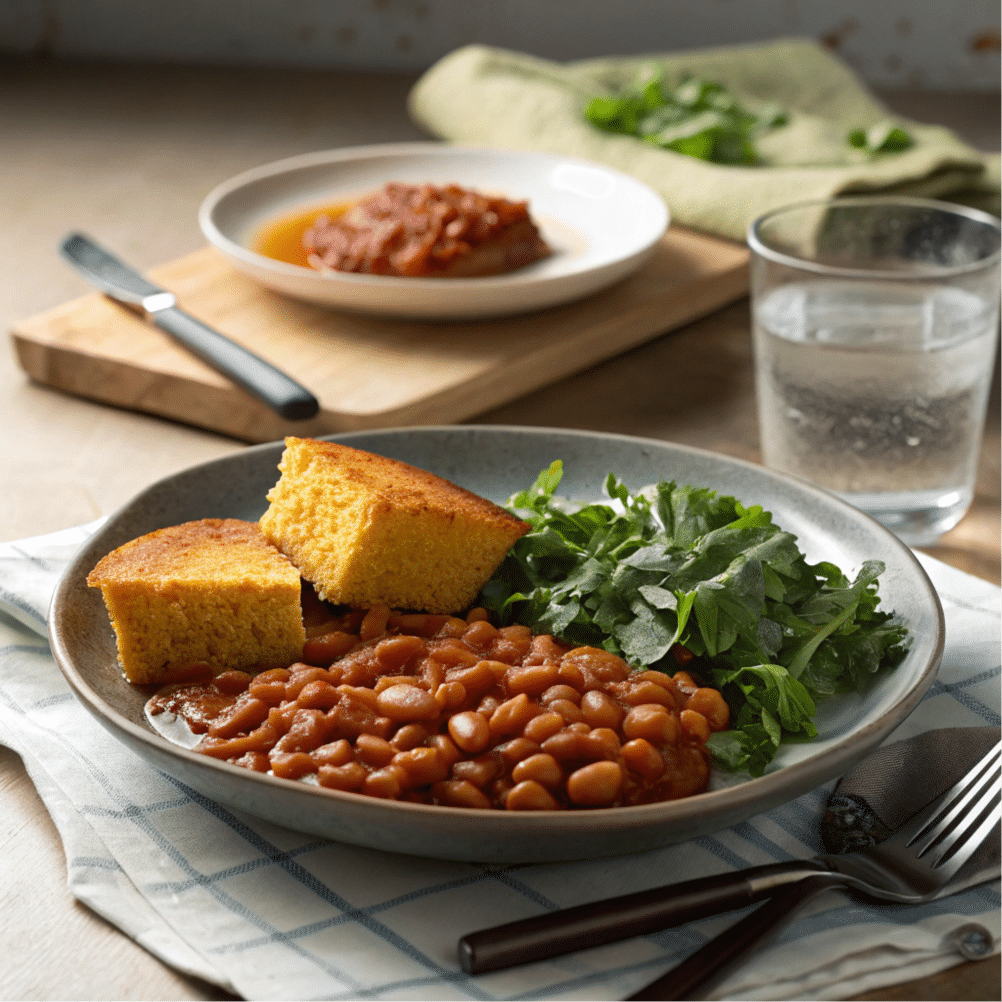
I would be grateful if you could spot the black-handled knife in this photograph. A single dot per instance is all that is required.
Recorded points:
(259, 378)
(639, 913)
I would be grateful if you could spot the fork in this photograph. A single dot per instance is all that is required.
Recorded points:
(910, 867)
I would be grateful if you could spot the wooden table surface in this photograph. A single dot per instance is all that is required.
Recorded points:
(126, 153)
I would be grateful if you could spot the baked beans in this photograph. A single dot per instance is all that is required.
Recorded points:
(457, 712)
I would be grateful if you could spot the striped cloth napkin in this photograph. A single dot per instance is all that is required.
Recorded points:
(269, 913)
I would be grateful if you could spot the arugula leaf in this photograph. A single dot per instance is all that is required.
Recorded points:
(685, 565)
(697, 118)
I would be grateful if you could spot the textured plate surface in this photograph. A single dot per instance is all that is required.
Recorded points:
(600, 224)
(495, 462)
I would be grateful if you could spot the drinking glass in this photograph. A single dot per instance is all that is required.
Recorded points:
(875, 328)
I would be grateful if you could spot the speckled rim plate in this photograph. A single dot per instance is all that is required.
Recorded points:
(494, 462)
(600, 223)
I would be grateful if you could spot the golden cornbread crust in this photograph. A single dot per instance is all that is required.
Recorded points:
(366, 530)
(214, 590)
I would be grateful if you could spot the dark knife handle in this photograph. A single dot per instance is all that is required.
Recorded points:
(618, 918)
(713, 961)
(259, 378)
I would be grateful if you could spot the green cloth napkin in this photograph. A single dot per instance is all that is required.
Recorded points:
(487, 97)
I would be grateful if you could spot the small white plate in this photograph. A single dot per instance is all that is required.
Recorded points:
(600, 223)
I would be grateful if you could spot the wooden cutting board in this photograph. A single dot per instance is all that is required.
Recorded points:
(366, 372)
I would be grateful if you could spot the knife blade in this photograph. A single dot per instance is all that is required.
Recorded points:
(249, 371)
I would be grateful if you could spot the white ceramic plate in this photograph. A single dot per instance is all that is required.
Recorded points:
(600, 223)
(495, 462)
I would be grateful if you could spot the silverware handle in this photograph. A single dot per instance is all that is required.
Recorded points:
(261, 379)
(716, 959)
(622, 917)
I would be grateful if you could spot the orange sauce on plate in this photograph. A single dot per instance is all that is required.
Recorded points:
(282, 239)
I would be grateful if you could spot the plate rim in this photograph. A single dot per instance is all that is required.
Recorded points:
(221, 241)
(729, 799)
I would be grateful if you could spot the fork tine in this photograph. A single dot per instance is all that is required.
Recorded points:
(950, 805)
(959, 815)
(949, 862)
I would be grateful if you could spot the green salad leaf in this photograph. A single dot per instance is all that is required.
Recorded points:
(685, 565)
(698, 118)
(884, 137)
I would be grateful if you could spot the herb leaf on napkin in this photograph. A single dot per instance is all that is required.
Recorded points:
(884, 137)
(698, 118)
(685, 565)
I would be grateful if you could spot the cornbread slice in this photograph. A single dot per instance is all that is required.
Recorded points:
(366, 530)
(214, 590)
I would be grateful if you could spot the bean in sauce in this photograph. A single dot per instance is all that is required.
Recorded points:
(456, 712)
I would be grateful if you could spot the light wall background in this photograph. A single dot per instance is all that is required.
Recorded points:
(921, 44)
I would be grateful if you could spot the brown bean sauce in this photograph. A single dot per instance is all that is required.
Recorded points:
(456, 712)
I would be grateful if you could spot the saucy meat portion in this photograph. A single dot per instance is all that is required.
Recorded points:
(426, 230)
(457, 712)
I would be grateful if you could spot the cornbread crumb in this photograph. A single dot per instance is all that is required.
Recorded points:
(366, 530)
(214, 590)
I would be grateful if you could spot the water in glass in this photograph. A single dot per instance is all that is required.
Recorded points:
(877, 394)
